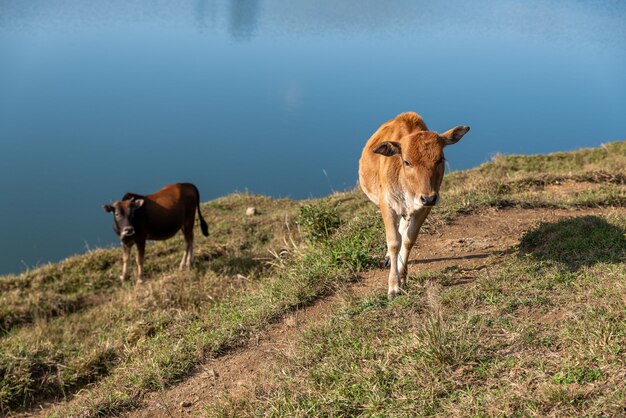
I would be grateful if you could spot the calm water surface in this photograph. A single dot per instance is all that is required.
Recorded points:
(276, 97)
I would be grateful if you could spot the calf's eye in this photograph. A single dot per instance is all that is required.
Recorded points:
(406, 163)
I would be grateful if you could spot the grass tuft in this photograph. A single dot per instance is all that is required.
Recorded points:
(319, 220)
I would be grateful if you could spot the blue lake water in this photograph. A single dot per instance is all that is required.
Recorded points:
(276, 97)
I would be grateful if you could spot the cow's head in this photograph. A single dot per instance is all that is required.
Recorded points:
(420, 155)
(124, 214)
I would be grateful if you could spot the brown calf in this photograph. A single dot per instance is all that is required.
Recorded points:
(401, 169)
(158, 216)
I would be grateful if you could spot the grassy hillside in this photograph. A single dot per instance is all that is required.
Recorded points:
(534, 334)
(540, 330)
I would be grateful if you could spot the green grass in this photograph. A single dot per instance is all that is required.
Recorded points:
(72, 331)
(525, 181)
(72, 323)
(140, 339)
(606, 158)
(529, 336)
(229, 322)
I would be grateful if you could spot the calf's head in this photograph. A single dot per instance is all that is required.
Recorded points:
(420, 161)
(124, 216)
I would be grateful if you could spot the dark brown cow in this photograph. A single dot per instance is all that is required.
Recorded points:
(401, 170)
(158, 216)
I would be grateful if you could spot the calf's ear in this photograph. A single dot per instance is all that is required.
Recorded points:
(108, 208)
(454, 135)
(387, 148)
(137, 203)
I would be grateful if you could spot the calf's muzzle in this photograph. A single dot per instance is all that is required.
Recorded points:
(429, 200)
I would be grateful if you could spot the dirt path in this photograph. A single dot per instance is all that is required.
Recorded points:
(467, 242)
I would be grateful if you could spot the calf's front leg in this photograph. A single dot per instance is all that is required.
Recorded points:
(390, 218)
(409, 229)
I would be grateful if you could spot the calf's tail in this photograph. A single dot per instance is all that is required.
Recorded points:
(203, 225)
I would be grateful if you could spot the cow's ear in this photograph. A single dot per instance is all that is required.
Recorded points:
(387, 148)
(137, 203)
(454, 135)
(108, 208)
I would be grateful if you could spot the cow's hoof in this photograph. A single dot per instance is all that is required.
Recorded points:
(139, 281)
(122, 278)
(392, 294)
(386, 261)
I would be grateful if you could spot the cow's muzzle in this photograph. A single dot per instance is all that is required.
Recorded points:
(128, 231)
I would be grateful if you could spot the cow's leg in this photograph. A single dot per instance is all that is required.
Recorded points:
(190, 251)
(125, 256)
(409, 230)
(393, 246)
(188, 254)
(183, 261)
(141, 251)
(187, 259)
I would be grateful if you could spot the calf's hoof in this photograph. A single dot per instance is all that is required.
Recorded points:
(122, 278)
(393, 293)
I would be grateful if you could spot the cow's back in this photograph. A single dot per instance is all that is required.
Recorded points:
(371, 164)
(167, 210)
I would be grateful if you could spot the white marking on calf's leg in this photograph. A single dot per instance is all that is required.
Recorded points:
(409, 231)
(403, 257)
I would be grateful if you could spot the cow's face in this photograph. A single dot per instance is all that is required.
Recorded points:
(124, 214)
(422, 161)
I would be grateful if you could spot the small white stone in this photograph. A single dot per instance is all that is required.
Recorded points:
(251, 211)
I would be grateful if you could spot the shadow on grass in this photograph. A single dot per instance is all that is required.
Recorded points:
(460, 257)
(577, 242)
